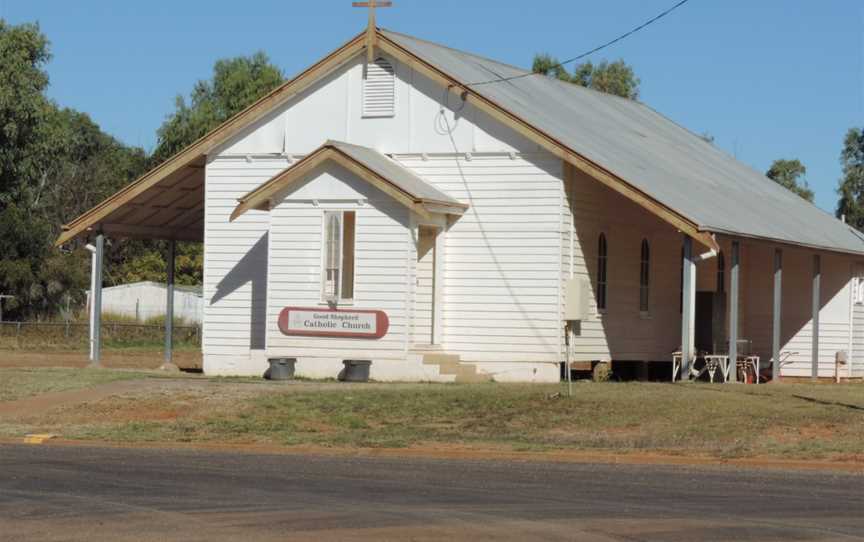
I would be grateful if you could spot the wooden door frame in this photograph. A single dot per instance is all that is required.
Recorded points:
(439, 225)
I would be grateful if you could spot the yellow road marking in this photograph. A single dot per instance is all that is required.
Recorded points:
(38, 438)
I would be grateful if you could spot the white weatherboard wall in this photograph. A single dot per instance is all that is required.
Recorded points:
(384, 250)
(235, 267)
(622, 332)
(503, 258)
(857, 356)
(796, 324)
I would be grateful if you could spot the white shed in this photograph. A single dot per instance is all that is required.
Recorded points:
(146, 299)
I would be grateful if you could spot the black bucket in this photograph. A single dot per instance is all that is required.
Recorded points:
(280, 369)
(356, 370)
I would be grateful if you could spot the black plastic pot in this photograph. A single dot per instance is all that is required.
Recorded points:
(356, 370)
(280, 369)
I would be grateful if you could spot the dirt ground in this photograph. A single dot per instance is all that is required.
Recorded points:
(111, 359)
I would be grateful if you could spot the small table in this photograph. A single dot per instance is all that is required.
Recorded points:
(711, 365)
(744, 362)
(714, 362)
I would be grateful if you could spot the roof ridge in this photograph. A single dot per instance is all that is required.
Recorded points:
(460, 51)
(524, 71)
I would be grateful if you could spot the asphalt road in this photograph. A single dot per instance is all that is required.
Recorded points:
(70, 493)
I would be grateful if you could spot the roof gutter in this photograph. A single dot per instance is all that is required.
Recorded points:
(784, 242)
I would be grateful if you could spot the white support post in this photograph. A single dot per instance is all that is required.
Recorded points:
(91, 305)
(776, 314)
(733, 312)
(96, 302)
(688, 309)
(169, 309)
(817, 279)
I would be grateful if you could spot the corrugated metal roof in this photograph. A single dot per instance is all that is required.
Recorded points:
(398, 175)
(650, 152)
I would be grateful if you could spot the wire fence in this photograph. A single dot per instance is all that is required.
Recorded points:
(76, 336)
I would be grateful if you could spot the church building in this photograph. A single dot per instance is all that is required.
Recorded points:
(454, 218)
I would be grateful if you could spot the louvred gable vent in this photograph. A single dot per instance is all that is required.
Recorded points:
(379, 90)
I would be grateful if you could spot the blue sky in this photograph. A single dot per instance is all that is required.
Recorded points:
(767, 78)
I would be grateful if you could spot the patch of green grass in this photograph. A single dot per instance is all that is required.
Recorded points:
(786, 421)
(21, 383)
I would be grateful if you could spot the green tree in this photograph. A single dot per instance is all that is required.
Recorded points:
(23, 79)
(150, 264)
(54, 164)
(851, 189)
(616, 78)
(789, 174)
(236, 84)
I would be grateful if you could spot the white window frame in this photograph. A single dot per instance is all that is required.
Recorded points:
(858, 290)
(604, 285)
(327, 299)
(646, 311)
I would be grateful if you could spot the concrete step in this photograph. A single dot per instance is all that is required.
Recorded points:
(450, 364)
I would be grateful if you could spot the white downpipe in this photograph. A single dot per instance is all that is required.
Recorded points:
(92, 306)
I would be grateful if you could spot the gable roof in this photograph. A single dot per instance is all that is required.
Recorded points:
(621, 143)
(368, 164)
(183, 164)
(637, 145)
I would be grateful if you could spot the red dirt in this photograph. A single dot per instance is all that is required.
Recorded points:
(110, 359)
(48, 401)
(461, 452)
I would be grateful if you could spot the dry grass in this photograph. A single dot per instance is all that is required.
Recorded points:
(790, 421)
(21, 383)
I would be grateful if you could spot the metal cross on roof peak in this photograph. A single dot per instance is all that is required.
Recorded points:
(371, 29)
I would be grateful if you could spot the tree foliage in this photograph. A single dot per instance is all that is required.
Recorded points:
(236, 83)
(851, 189)
(790, 175)
(616, 78)
(23, 106)
(54, 164)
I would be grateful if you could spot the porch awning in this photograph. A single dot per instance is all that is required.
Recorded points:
(172, 207)
(400, 183)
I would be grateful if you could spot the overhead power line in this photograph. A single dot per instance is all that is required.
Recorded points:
(592, 51)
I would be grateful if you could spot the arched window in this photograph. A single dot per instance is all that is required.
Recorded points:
(721, 272)
(379, 89)
(644, 276)
(602, 251)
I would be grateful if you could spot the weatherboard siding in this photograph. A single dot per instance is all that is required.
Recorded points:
(384, 250)
(501, 275)
(857, 356)
(622, 332)
(235, 266)
(796, 327)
